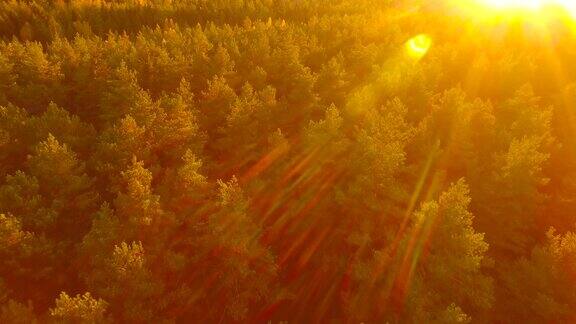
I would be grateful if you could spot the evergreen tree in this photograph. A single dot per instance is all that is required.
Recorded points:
(79, 309)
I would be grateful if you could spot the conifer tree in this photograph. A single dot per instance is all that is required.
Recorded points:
(79, 309)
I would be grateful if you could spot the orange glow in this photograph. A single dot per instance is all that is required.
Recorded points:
(353, 161)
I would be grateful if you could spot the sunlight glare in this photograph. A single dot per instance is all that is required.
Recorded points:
(514, 4)
(530, 5)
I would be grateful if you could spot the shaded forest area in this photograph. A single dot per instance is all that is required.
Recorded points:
(220, 161)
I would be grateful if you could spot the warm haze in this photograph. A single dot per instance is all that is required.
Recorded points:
(287, 161)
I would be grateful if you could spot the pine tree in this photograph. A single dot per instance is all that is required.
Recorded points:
(136, 201)
(64, 183)
(449, 255)
(534, 287)
(79, 309)
(235, 270)
(124, 96)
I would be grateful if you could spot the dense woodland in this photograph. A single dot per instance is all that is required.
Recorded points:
(219, 161)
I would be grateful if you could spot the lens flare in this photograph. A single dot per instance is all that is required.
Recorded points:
(418, 46)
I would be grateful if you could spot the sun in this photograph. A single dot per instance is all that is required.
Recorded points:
(514, 4)
(530, 5)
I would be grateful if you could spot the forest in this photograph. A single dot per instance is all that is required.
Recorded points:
(287, 161)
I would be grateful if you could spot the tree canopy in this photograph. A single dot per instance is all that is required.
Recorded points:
(284, 161)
